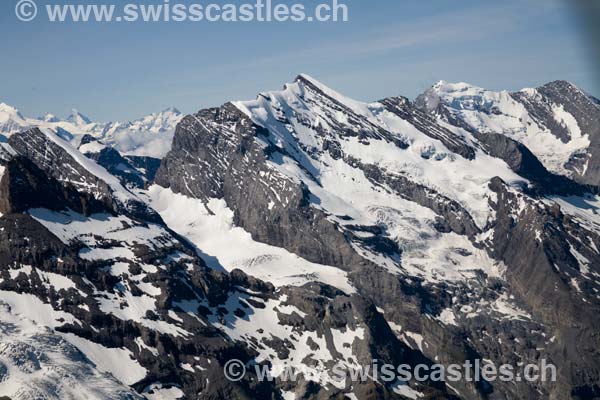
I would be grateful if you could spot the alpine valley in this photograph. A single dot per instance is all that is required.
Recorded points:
(303, 229)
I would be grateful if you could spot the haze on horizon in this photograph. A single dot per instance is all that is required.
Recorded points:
(113, 71)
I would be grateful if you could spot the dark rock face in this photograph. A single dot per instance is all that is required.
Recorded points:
(574, 101)
(586, 111)
(131, 170)
(62, 166)
(225, 140)
(525, 163)
(537, 248)
(427, 124)
(147, 166)
(24, 240)
(56, 162)
(23, 181)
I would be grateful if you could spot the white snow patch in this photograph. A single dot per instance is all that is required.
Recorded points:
(447, 317)
(214, 233)
(159, 392)
(117, 361)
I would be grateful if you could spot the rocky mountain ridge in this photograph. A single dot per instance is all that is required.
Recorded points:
(306, 229)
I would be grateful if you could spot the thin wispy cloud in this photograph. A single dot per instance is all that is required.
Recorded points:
(463, 26)
(191, 66)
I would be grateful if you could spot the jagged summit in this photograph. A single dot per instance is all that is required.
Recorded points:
(172, 110)
(560, 84)
(78, 118)
(307, 78)
(11, 120)
(48, 117)
(7, 108)
(7, 111)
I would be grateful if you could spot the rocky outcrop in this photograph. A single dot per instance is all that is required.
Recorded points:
(521, 160)
(541, 245)
(60, 163)
(427, 124)
(132, 171)
(453, 216)
(22, 183)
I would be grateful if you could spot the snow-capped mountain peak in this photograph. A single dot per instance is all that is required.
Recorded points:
(171, 110)
(7, 111)
(147, 136)
(413, 193)
(11, 120)
(557, 121)
(304, 80)
(48, 117)
(158, 122)
(78, 118)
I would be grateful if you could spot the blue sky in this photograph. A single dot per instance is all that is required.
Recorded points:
(113, 71)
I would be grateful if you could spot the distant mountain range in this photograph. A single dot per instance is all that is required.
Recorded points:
(148, 136)
(303, 228)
